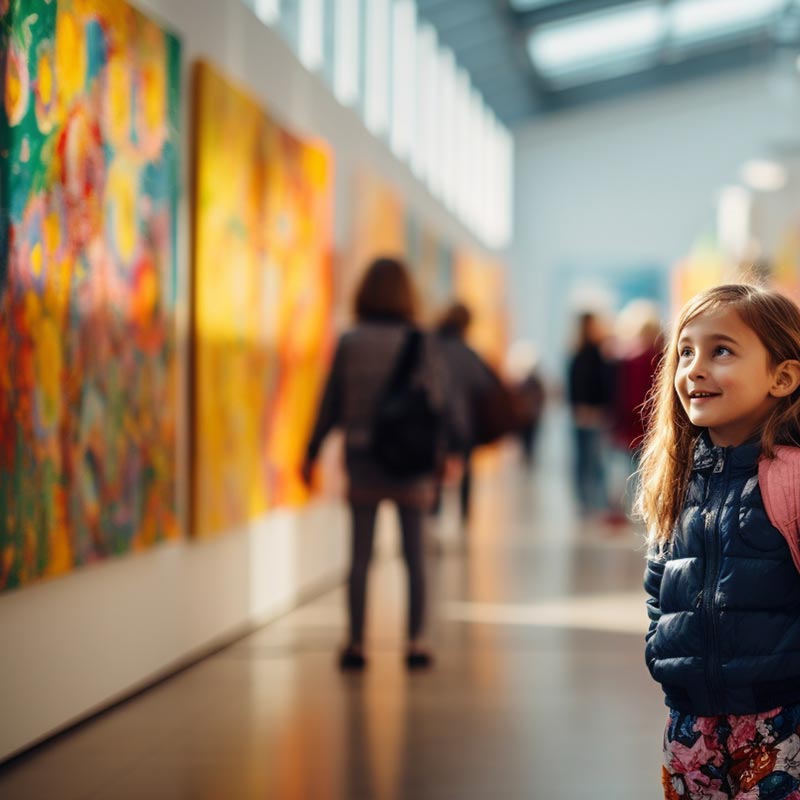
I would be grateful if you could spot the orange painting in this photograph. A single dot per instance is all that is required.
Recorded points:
(704, 267)
(480, 284)
(786, 272)
(378, 228)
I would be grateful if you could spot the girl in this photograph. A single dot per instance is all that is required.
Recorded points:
(724, 606)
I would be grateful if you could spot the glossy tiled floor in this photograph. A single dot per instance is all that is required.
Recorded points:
(539, 689)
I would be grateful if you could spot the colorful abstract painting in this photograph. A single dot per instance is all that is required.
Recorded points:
(704, 267)
(377, 228)
(382, 225)
(262, 300)
(88, 132)
(786, 264)
(432, 262)
(479, 283)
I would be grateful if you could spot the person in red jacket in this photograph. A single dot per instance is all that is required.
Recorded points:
(639, 353)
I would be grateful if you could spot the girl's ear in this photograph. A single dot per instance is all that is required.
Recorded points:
(787, 378)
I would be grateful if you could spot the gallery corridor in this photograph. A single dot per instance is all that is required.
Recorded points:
(539, 689)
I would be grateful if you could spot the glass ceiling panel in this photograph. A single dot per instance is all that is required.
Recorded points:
(702, 20)
(626, 39)
(583, 42)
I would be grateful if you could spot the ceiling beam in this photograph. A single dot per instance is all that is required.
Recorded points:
(659, 76)
(423, 6)
(477, 39)
(453, 16)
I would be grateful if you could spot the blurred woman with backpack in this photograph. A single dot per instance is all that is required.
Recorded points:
(383, 365)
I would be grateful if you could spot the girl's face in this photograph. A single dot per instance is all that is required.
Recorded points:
(724, 378)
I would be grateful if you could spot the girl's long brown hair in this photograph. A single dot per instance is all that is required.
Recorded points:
(668, 447)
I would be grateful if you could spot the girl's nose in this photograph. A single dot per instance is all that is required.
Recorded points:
(696, 369)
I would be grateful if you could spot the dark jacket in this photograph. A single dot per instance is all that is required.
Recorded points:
(724, 601)
(470, 382)
(589, 378)
(364, 359)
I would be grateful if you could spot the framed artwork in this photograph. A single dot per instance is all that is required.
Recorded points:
(432, 261)
(88, 196)
(479, 283)
(377, 228)
(261, 304)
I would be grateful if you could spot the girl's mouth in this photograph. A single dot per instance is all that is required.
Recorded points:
(701, 396)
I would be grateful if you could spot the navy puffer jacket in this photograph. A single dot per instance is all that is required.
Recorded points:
(724, 601)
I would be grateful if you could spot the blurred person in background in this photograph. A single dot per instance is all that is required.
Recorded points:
(528, 387)
(366, 361)
(479, 400)
(639, 344)
(589, 396)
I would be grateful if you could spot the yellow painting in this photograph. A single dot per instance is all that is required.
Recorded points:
(786, 269)
(704, 267)
(262, 299)
(479, 283)
(378, 228)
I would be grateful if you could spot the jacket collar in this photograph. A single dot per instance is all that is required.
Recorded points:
(706, 453)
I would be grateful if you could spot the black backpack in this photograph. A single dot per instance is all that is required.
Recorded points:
(407, 429)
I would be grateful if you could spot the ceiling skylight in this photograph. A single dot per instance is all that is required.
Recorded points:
(619, 39)
(693, 21)
(532, 5)
(630, 38)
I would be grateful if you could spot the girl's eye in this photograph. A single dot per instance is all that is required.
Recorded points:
(685, 352)
(722, 350)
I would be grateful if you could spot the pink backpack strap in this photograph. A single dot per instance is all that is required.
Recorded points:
(779, 479)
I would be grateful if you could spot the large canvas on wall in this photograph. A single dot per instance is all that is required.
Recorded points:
(88, 191)
(383, 225)
(432, 261)
(479, 282)
(377, 228)
(786, 268)
(261, 304)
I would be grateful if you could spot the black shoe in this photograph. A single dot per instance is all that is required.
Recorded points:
(351, 659)
(419, 659)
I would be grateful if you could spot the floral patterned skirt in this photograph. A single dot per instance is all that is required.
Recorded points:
(748, 757)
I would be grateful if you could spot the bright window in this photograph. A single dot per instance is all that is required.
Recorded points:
(425, 103)
(404, 77)
(267, 11)
(346, 51)
(310, 45)
(376, 73)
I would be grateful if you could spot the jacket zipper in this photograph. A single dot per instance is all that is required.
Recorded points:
(713, 558)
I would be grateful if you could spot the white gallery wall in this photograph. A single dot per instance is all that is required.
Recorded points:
(632, 183)
(74, 644)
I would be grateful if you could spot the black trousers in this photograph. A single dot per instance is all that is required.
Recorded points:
(411, 525)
